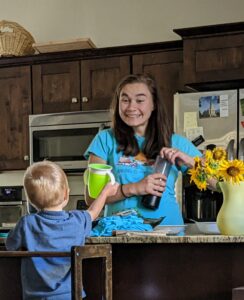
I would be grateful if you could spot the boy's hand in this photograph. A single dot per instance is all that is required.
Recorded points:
(98, 204)
(110, 189)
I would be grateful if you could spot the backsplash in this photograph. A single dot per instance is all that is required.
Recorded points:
(15, 178)
(11, 178)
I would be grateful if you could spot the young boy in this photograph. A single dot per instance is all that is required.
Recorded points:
(51, 229)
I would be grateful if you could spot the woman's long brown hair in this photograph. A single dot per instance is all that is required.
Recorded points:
(158, 132)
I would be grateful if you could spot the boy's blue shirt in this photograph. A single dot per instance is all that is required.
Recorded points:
(43, 278)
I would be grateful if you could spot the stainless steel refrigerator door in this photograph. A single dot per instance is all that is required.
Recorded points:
(241, 124)
(219, 125)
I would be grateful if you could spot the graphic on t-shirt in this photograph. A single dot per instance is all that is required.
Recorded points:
(139, 159)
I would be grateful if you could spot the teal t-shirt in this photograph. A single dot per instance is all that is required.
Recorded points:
(129, 169)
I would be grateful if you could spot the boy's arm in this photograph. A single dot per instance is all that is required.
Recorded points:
(98, 204)
(15, 237)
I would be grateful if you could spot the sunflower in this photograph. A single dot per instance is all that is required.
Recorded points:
(232, 171)
(219, 154)
(198, 162)
(199, 175)
(213, 165)
(208, 155)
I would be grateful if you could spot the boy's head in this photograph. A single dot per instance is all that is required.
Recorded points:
(46, 185)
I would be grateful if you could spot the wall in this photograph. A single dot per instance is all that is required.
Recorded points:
(116, 22)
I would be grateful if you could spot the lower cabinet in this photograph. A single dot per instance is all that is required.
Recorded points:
(15, 107)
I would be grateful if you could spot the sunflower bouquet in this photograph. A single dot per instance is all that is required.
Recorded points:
(214, 165)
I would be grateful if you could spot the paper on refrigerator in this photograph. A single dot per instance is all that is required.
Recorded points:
(190, 120)
(191, 128)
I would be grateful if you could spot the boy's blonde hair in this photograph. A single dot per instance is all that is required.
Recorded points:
(45, 184)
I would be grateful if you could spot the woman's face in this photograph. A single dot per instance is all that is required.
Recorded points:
(136, 106)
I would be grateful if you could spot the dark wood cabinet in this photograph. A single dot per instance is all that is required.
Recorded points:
(213, 56)
(73, 81)
(99, 78)
(56, 87)
(166, 68)
(15, 107)
(207, 58)
(77, 85)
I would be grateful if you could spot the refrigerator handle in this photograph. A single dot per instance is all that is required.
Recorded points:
(241, 150)
(230, 150)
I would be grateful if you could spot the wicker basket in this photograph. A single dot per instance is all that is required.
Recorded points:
(15, 40)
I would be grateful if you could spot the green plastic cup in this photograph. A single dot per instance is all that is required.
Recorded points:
(96, 176)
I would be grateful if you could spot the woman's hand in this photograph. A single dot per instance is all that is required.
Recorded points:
(177, 157)
(153, 184)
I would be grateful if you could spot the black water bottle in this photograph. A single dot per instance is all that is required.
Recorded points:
(163, 166)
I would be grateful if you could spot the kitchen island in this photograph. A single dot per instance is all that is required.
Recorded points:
(199, 267)
(158, 267)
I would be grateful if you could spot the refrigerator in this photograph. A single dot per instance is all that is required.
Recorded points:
(208, 119)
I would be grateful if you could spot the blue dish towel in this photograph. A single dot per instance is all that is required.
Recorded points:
(106, 225)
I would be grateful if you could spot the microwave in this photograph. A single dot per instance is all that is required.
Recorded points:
(64, 137)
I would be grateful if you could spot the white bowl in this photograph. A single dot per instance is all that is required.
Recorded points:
(207, 227)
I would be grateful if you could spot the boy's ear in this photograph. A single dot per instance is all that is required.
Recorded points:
(66, 194)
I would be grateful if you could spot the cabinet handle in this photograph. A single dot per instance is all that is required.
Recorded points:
(26, 157)
(84, 99)
(74, 100)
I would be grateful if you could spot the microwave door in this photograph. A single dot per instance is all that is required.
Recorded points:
(64, 145)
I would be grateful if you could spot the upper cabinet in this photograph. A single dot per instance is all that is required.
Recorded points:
(213, 55)
(56, 87)
(166, 67)
(86, 80)
(77, 85)
(99, 78)
(207, 57)
(73, 81)
(15, 107)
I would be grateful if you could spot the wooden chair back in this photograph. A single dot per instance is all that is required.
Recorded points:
(10, 262)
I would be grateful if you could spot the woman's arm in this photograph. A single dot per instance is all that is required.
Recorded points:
(179, 158)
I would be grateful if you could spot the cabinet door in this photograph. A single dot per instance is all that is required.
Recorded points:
(166, 68)
(56, 87)
(15, 107)
(213, 59)
(99, 78)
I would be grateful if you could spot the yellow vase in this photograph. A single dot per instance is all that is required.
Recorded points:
(230, 219)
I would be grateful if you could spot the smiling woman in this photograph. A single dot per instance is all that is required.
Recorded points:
(136, 107)
(141, 131)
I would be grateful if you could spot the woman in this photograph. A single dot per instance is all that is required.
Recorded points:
(140, 131)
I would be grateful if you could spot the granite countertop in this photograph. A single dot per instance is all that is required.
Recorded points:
(161, 239)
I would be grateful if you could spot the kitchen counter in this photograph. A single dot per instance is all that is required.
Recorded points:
(161, 239)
